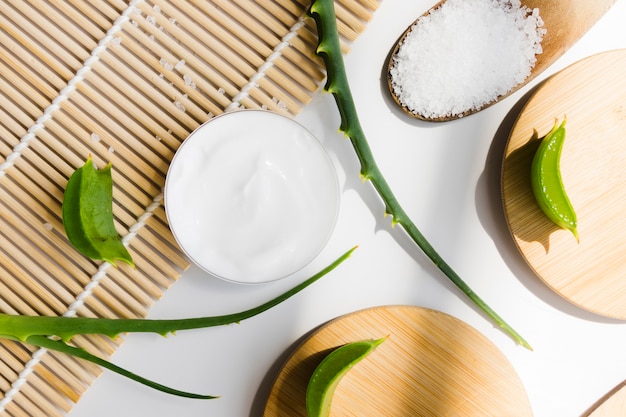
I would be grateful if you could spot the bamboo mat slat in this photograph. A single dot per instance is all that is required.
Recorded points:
(125, 82)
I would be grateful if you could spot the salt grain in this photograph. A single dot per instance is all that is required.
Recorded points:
(464, 55)
(166, 64)
(48, 226)
(180, 64)
(95, 137)
(179, 105)
(188, 81)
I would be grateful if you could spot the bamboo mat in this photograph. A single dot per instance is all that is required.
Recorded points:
(125, 83)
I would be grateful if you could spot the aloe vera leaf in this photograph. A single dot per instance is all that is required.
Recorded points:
(547, 183)
(323, 12)
(327, 375)
(88, 215)
(62, 347)
(36, 330)
(20, 327)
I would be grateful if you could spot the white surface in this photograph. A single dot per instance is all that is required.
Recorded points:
(447, 178)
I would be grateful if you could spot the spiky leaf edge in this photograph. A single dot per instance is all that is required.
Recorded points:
(329, 49)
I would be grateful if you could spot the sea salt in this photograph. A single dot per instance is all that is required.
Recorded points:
(95, 137)
(188, 81)
(464, 55)
(179, 105)
(166, 64)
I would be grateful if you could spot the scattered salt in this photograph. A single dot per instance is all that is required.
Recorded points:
(116, 40)
(179, 105)
(151, 20)
(188, 81)
(180, 64)
(464, 55)
(48, 226)
(221, 91)
(95, 137)
(166, 64)
(111, 149)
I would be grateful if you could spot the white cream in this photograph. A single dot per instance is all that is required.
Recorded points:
(251, 196)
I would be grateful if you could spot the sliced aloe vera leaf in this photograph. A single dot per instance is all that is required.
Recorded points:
(327, 375)
(547, 183)
(88, 215)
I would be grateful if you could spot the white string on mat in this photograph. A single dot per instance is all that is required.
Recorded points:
(156, 202)
(24, 143)
(101, 272)
(80, 300)
(261, 72)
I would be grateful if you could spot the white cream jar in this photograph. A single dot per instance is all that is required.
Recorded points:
(251, 196)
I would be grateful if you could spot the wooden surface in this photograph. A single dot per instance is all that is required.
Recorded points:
(590, 274)
(431, 365)
(613, 405)
(124, 81)
(565, 22)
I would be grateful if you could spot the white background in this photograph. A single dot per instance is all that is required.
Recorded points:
(447, 178)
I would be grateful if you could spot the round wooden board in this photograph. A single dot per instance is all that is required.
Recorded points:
(592, 94)
(432, 364)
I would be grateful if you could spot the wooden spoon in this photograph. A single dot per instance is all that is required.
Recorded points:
(566, 21)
